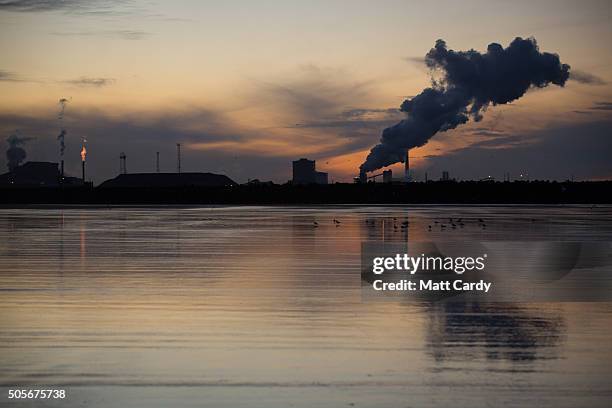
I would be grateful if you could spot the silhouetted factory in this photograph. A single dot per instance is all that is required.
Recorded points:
(38, 174)
(304, 172)
(387, 175)
(168, 180)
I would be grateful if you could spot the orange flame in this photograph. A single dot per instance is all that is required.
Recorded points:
(83, 153)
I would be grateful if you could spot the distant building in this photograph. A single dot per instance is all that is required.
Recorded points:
(304, 172)
(168, 180)
(387, 176)
(445, 176)
(37, 174)
(362, 178)
(320, 177)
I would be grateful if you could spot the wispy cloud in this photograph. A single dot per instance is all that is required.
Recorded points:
(586, 78)
(602, 106)
(121, 34)
(90, 82)
(9, 76)
(415, 60)
(554, 152)
(59, 5)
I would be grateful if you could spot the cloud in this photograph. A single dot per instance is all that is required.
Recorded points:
(312, 92)
(582, 150)
(120, 34)
(486, 132)
(466, 84)
(322, 110)
(354, 119)
(504, 142)
(585, 78)
(602, 106)
(67, 6)
(90, 82)
(8, 76)
(141, 134)
(416, 60)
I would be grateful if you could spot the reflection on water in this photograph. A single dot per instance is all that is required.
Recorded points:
(262, 306)
(467, 331)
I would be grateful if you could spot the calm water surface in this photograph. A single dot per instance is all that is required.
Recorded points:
(260, 306)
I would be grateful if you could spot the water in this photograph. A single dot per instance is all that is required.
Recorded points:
(257, 306)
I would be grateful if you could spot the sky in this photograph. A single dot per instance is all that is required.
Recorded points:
(247, 87)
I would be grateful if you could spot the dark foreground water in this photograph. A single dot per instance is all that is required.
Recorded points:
(263, 306)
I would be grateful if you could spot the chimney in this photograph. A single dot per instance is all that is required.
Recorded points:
(122, 163)
(362, 176)
(83, 167)
(178, 158)
(407, 167)
(62, 170)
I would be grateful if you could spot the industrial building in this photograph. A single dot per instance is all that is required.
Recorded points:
(168, 180)
(304, 172)
(37, 174)
(387, 175)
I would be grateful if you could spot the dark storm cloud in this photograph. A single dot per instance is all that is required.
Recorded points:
(585, 78)
(582, 150)
(90, 82)
(470, 83)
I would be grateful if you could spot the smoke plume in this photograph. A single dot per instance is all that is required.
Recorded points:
(60, 116)
(15, 154)
(61, 137)
(469, 83)
(62, 103)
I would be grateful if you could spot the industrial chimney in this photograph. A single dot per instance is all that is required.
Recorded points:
(178, 158)
(407, 167)
(363, 178)
(83, 158)
(122, 163)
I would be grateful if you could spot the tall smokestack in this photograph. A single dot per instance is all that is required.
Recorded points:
(62, 169)
(122, 163)
(178, 158)
(157, 163)
(363, 178)
(407, 166)
(83, 158)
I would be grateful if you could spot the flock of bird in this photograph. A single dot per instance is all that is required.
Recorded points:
(452, 223)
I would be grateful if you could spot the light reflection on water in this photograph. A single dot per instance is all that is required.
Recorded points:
(262, 306)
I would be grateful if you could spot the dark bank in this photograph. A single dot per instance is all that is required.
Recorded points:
(438, 192)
